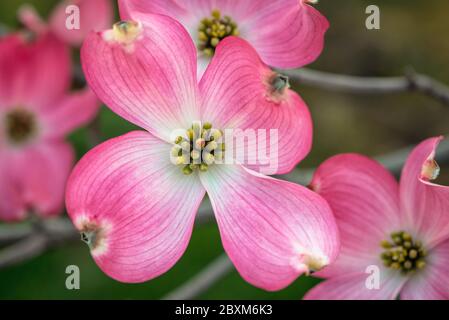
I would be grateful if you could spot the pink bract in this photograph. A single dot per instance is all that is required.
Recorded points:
(369, 205)
(136, 209)
(286, 33)
(36, 112)
(94, 15)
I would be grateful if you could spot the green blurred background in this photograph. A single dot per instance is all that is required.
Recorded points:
(413, 33)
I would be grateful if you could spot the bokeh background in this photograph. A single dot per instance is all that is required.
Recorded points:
(413, 34)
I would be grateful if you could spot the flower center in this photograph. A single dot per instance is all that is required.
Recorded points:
(403, 252)
(214, 29)
(198, 148)
(20, 125)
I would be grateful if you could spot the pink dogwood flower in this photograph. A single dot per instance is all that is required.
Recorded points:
(71, 20)
(36, 112)
(285, 33)
(400, 229)
(135, 208)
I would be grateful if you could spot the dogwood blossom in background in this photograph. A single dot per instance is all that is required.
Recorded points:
(285, 33)
(136, 209)
(36, 112)
(93, 15)
(403, 229)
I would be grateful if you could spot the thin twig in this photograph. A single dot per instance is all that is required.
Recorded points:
(412, 82)
(94, 132)
(205, 212)
(11, 233)
(393, 161)
(62, 228)
(4, 29)
(203, 280)
(78, 76)
(25, 249)
(58, 226)
(37, 240)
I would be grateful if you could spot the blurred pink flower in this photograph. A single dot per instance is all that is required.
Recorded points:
(402, 229)
(36, 112)
(94, 15)
(285, 33)
(136, 209)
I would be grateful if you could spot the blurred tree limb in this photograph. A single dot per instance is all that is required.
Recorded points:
(37, 238)
(411, 82)
(203, 280)
(62, 228)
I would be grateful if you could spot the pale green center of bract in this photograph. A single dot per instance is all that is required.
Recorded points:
(20, 125)
(403, 253)
(214, 29)
(200, 147)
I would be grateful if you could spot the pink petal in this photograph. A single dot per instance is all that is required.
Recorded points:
(70, 113)
(38, 72)
(272, 230)
(94, 15)
(166, 7)
(237, 94)
(12, 206)
(12, 60)
(431, 283)
(353, 286)
(48, 76)
(171, 8)
(364, 198)
(149, 79)
(139, 207)
(238, 10)
(426, 205)
(28, 16)
(287, 34)
(190, 13)
(41, 174)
